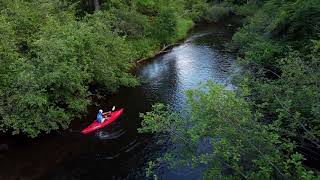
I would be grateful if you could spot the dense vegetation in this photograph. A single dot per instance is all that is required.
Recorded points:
(269, 128)
(51, 52)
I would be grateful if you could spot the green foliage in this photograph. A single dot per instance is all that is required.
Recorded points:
(146, 6)
(149, 169)
(272, 125)
(215, 13)
(298, 21)
(130, 23)
(196, 9)
(165, 27)
(281, 64)
(36, 97)
(145, 47)
(238, 146)
(248, 9)
(183, 26)
(294, 98)
(45, 44)
(158, 120)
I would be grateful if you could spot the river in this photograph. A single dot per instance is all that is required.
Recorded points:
(118, 151)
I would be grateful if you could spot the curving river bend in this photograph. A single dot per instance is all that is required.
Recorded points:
(118, 151)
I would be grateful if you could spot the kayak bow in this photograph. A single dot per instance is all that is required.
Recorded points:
(96, 125)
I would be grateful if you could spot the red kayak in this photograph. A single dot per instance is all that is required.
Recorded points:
(96, 125)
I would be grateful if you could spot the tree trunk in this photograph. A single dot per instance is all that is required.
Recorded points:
(93, 5)
(96, 4)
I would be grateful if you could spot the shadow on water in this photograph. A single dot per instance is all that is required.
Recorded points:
(118, 151)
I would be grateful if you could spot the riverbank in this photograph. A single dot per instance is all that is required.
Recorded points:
(165, 49)
(232, 20)
(184, 31)
(84, 48)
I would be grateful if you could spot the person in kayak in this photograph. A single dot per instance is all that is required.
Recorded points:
(101, 116)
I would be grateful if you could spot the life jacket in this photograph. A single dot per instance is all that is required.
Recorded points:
(99, 117)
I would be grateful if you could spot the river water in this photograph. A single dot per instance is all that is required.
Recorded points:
(118, 151)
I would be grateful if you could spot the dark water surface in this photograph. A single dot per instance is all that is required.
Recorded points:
(118, 151)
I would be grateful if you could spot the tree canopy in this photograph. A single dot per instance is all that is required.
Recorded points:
(269, 127)
(53, 51)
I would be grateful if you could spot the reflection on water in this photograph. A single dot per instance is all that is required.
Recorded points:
(102, 135)
(118, 151)
(196, 61)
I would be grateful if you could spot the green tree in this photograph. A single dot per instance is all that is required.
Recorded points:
(237, 145)
(165, 27)
(53, 51)
(263, 131)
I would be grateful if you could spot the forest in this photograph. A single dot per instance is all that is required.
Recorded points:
(53, 53)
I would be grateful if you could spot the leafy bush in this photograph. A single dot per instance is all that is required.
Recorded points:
(245, 10)
(130, 23)
(236, 145)
(281, 62)
(272, 126)
(196, 9)
(183, 26)
(216, 12)
(144, 48)
(46, 44)
(165, 27)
